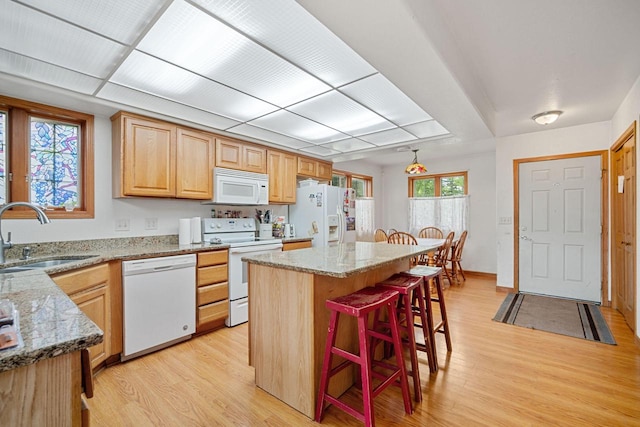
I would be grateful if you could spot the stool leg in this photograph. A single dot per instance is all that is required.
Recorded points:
(430, 323)
(411, 338)
(443, 313)
(425, 322)
(397, 344)
(365, 371)
(326, 364)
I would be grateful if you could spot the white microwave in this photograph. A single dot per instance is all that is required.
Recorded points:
(234, 187)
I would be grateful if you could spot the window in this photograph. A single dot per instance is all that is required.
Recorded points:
(450, 184)
(439, 201)
(361, 183)
(46, 158)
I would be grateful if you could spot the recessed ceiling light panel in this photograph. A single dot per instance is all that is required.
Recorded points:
(383, 97)
(189, 38)
(388, 137)
(288, 29)
(32, 69)
(42, 37)
(351, 144)
(104, 17)
(427, 129)
(287, 123)
(342, 113)
(267, 135)
(171, 82)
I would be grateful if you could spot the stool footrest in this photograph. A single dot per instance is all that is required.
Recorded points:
(386, 382)
(346, 355)
(348, 409)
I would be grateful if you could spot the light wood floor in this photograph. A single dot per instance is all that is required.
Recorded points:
(497, 375)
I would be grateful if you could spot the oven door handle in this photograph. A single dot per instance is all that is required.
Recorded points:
(259, 248)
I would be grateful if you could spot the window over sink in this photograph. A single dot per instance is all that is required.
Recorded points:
(46, 158)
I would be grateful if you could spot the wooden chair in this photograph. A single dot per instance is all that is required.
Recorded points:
(456, 257)
(402, 238)
(430, 233)
(380, 235)
(391, 231)
(442, 256)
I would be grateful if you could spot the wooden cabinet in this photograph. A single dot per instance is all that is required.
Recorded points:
(152, 158)
(212, 297)
(143, 156)
(314, 168)
(194, 165)
(291, 246)
(89, 288)
(240, 155)
(282, 168)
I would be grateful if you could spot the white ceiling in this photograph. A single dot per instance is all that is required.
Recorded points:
(476, 69)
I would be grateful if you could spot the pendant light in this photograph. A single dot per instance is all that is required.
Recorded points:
(415, 168)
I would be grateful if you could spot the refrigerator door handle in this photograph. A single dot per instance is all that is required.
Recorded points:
(341, 226)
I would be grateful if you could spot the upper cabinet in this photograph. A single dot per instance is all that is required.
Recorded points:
(240, 155)
(282, 168)
(314, 168)
(194, 165)
(158, 159)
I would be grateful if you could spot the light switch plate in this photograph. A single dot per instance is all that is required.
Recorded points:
(504, 220)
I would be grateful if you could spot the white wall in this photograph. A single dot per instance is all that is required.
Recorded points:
(629, 111)
(480, 250)
(590, 137)
(108, 209)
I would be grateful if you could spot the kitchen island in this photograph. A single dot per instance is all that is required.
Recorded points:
(288, 319)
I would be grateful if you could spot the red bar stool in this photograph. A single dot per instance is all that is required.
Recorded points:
(434, 275)
(410, 289)
(360, 304)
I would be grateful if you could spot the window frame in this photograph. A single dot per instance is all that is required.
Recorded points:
(366, 178)
(18, 152)
(437, 178)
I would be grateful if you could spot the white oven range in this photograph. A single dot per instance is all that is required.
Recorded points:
(240, 235)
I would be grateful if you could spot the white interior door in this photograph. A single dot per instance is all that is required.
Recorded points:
(560, 227)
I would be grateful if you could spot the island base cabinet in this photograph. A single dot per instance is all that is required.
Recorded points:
(288, 322)
(46, 393)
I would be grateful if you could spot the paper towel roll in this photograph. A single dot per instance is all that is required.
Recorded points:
(196, 230)
(184, 231)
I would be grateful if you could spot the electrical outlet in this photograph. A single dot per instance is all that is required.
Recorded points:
(151, 223)
(122, 224)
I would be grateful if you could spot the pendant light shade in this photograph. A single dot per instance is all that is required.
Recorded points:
(415, 168)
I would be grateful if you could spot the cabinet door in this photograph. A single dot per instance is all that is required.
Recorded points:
(276, 176)
(95, 304)
(324, 171)
(194, 165)
(228, 154)
(254, 159)
(289, 182)
(89, 288)
(149, 158)
(306, 167)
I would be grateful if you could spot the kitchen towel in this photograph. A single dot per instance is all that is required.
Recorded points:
(196, 230)
(184, 231)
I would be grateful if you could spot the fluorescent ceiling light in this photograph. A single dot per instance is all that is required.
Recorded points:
(295, 126)
(267, 135)
(388, 137)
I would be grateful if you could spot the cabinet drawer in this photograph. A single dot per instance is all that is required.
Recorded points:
(213, 274)
(82, 279)
(212, 293)
(212, 258)
(211, 312)
(296, 245)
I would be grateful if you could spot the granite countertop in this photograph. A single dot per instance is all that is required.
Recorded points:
(50, 323)
(343, 260)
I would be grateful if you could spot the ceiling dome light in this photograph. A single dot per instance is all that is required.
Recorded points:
(547, 117)
(415, 168)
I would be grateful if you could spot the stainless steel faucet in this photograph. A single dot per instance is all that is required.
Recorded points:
(42, 217)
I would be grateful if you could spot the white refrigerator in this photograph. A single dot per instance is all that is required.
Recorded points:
(326, 213)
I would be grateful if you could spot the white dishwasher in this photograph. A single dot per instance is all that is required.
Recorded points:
(159, 303)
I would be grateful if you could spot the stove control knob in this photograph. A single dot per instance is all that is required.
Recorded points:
(219, 225)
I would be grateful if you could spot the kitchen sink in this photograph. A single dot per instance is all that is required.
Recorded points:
(44, 264)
